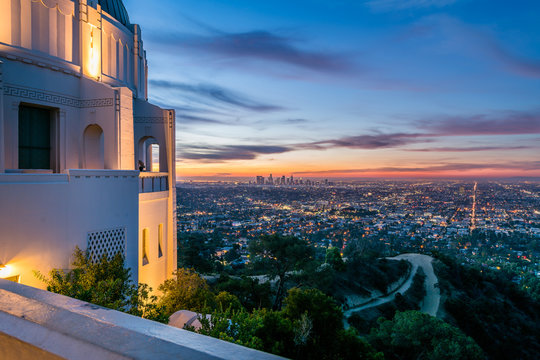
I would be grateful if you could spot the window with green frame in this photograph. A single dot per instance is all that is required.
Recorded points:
(34, 138)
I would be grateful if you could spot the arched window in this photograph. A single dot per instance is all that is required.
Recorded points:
(149, 154)
(160, 240)
(145, 246)
(154, 150)
(94, 152)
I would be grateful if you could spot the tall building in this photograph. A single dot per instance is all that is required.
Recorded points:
(75, 128)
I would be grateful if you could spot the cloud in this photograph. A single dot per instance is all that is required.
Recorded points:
(230, 152)
(504, 123)
(516, 63)
(452, 34)
(468, 149)
(523, 165)
(216, 94)
(295, 121)
(250, 152)
(392, 5)
(184, 119)
(376, 141)
(259, 45)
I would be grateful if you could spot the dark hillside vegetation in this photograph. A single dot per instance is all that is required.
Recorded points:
(490, 308)
(363, 321)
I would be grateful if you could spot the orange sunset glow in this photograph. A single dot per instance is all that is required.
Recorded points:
(347, 89)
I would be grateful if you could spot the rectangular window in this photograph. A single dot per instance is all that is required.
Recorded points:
(145, 246)
(160, 240)
(34, 138)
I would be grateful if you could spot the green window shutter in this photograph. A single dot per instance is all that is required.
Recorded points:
(34, 138)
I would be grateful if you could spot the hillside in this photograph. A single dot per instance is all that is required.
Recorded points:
(490, 308)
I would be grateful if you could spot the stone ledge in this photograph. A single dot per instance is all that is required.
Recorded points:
(72, 329)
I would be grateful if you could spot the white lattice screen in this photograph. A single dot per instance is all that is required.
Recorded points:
(106, 241)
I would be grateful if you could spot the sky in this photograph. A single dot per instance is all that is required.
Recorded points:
(347, 88)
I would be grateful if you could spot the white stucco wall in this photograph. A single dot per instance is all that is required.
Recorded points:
(45, 64)
(50, 326)
(153, 208)
(152, 121)
(44, 216)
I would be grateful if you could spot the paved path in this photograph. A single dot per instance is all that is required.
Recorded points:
(430, 304)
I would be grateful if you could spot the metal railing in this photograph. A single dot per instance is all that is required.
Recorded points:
(153, 182)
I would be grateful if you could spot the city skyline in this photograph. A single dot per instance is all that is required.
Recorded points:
(381, 88)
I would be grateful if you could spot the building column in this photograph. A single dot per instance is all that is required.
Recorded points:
(172, 263)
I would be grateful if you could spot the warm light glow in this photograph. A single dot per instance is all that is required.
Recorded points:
(5, 270)
(93, 56)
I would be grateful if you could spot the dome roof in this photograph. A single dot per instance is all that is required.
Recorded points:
(116, 9)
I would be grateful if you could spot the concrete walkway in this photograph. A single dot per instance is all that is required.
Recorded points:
(430, 304)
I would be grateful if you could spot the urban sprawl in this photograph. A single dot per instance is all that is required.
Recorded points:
(494, 224)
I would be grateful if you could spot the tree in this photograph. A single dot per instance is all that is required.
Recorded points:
(106, 282)
(415, 335)
(309, 327)
(186, 291)
(325, 315)
(333, 257)
(280, 255)
(251, 293)
(145, 305)
(318, 327)
(227, 301)
(232, 254)
(198, 252)
(264, 329)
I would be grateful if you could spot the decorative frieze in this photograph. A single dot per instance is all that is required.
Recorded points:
(150, 120)
(53, 98)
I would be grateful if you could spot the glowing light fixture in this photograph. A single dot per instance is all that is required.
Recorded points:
(3, 270)
(93, 57)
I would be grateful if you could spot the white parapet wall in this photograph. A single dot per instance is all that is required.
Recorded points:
(44, 216)
(36, 324)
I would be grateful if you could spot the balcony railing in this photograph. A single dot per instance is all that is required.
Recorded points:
(153, 182)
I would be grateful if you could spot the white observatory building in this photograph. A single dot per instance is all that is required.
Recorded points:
(74, 123)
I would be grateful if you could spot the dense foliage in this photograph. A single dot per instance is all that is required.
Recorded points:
(365, 320)
(186, 291)
(197, 251)
(250, 291)
(491, 309)
(106, 283)
(293, 310)
(415, 335)
(308, 327)
(278, 256)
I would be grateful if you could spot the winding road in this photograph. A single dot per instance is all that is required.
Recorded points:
(430, 304)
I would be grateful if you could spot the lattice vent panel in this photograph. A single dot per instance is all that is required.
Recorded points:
(107, 242)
